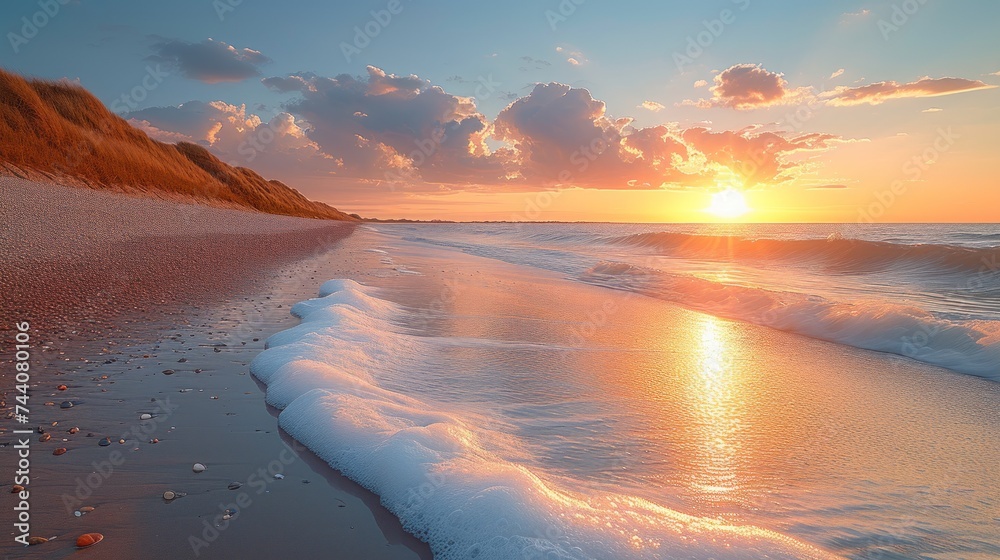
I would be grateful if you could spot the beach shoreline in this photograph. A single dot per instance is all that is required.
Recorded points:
(170, 337)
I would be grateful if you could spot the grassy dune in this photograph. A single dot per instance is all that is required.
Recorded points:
(63, 131)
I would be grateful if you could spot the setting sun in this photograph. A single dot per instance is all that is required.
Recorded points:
(729, 203)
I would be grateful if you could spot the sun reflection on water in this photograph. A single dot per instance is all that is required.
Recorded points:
(714, 391)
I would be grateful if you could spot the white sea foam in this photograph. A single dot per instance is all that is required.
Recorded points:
(445, 474)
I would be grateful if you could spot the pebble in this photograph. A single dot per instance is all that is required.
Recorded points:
(279, 476)
(45, 437)
(169, 495)
(59, 451)
(198, 467)
(104, 442)
(234, 485)
(16, 489)
(145, 416)
(89, 539)
(168, 372)
(37, 540)
(87, 509)
(62, 387)
(74, 430)
(66, 404)
(182, 360)
(154, 440)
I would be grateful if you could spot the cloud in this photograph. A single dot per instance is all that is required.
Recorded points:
(856, 15)
(403, 130)
(932, 110)
(837, 73)
(396, 126)
(278, 148)
(825, 187)
(573, 56)
(700, 83)
(880, 92)
(652, 106)
(749, 86)
(209, 61)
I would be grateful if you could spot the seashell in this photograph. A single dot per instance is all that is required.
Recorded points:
(234, 485)
(121, 441)
(104, 442)
(74, 430)
(59, 451)
(62, 387)
(168, 372)
(227, 517)
(45, 437)
(89, 539)
(87, 509)
(279, 476)
(17, 488)
(198, 467)
(145, 416)
(169, 495)
(154, 440)
(37, 540)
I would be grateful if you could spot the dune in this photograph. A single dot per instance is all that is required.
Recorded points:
(60, 132)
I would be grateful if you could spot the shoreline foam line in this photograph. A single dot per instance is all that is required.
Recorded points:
(438, 472)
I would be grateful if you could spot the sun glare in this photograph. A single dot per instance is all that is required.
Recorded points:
(729, 203)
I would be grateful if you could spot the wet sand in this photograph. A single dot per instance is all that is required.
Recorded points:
(150, 307)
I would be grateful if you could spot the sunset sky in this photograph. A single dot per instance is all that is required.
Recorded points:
(571, 110)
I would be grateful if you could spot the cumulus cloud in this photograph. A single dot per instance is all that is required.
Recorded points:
(652, 106)
(400, 125)
(750, 86)
(209, 61)
(880, 92)
(701, 83)
(404, 130)
(573, 56)
(278, 147)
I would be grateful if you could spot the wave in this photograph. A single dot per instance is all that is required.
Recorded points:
(835, 252)
(449, 479)
(971, 347)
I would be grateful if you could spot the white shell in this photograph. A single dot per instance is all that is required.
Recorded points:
(198, 467)
(279, 476)
(145, 416)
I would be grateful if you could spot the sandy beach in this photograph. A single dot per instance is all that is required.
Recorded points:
(151, 307)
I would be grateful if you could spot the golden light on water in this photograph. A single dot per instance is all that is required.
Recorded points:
(715, 394)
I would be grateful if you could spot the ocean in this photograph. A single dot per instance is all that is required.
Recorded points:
(661, 391)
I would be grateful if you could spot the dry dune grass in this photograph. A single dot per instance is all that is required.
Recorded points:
(64, 131)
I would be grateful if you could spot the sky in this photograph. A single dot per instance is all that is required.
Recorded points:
(645, 111)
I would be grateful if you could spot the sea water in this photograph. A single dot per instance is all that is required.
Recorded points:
(627, 391)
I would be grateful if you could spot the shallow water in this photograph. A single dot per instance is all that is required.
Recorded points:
(505, 412)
